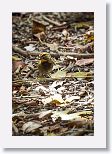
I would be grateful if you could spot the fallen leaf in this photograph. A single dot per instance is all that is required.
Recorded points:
(38, 27)
(56, 99)
(64, 116)
(17, 64)
(31, 47)
(54, 128)
(40, 36)
(56, 102)
(20, 114)
(30, 126)
(74, 116)
(84, 62)
(78, 123)
(59, 74)
(80, 75)
(57, 114)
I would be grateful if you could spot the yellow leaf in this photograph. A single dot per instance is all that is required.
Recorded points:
(59, 74)
(80, 74)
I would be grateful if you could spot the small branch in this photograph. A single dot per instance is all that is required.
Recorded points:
(31, 42)
(52, 22)
(20, 51)
(59, 28)
(22, 114)
(81, 48)
(76, 55)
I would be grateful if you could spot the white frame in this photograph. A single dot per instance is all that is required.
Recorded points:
(99, 138)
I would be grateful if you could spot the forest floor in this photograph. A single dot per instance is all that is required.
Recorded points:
(61, 104)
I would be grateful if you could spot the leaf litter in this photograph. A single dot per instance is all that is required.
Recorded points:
(62, 104)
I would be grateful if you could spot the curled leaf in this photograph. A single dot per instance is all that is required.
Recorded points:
(38, 27)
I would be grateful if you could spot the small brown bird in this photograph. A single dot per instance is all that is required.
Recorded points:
(45, 64)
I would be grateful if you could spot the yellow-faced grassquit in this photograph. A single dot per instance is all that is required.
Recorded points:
(45, 64)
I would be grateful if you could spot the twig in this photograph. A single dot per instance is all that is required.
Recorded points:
(20, 51)
(59, 28)
(19, 97)
(31, 42)
(22, 114)
(76, 55)
(21, 82)
(81, 48)
(52, 22)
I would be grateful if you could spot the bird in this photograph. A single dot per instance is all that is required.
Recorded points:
(45, 64)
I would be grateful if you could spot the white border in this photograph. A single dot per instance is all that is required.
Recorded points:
(99, 138)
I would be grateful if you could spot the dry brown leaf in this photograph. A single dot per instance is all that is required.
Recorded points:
(84, 62)
(40, 36)
(17, 64)
(38, 27)
(78, 123)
